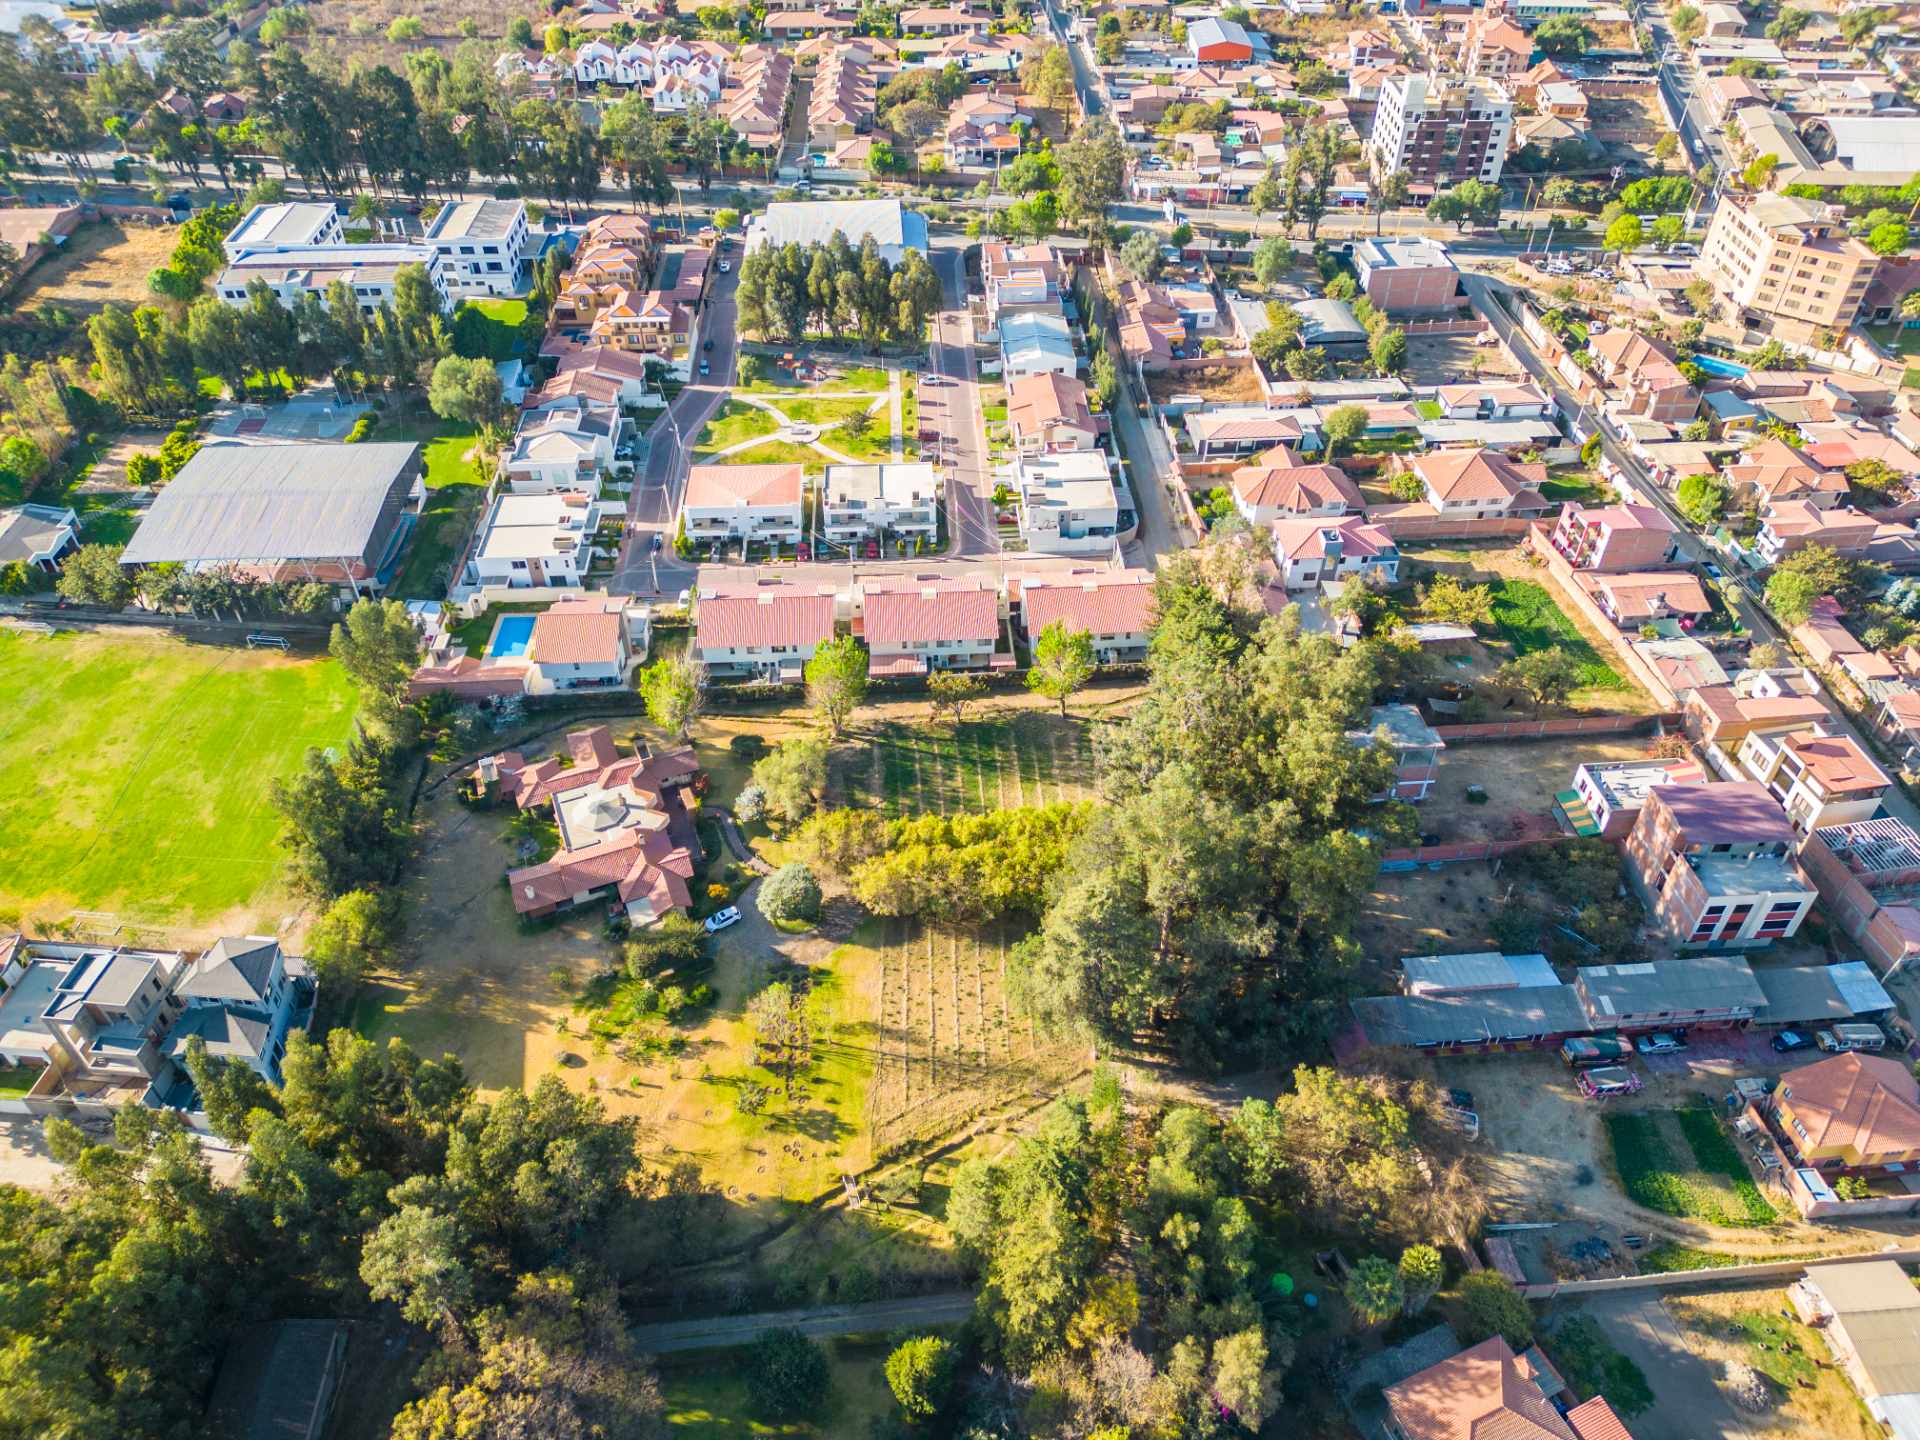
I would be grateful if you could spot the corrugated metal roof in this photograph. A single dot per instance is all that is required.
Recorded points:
(1533, 1012)
(1480, 970)
(258, 503)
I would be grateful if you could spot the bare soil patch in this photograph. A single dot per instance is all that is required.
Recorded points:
(101, 262)
(1520, 780)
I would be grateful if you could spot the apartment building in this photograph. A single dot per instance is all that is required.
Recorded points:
(369, 271)
(1787, 263)
(1441, 129)
(769, 632)
(1113, 607)
(861, 502)
(534, 541)
(287, 225)
(1715, 865)
(743, 502)
(1405, 275)
(1614, 538)
(484, 244)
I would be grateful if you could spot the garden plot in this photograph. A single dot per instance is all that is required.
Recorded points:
(1683, 1163)
(951, 1047)
(1024, 759)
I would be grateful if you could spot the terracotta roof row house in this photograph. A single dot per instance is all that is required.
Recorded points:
(1281, 487)
(806, 22)
(840, 104)
(769, 632)
(1479, 482)
(1114, 607)
(980, 130)
(1647, 372)
(743, 502)
(1773, 472)
(755, 103)
(914, 626)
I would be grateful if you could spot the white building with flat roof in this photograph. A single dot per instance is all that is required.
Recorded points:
(484, 243)
(288, 225)
(370, 271)
(531, 541)
(861, 501)
(1068, 505)
(893, 228)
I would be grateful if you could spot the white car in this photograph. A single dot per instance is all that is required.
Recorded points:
(726, 267)
(721, 919)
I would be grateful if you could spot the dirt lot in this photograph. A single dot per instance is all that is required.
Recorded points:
(1726, 1329)
(1428, 912)
(1442, 359)
(1221, 385)
(99, 263)
(1520, 779)
(1636, 117)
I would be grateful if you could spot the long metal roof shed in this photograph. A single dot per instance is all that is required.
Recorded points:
(270, 504)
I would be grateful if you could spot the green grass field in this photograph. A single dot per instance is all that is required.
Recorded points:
(1029, 759)
(1528, 619)
(136, 773)
(706, 1396)
(734, 422)
(455, 488)
(1581, 1350)
(498, 332)
(770, 452)
(1707, 1180)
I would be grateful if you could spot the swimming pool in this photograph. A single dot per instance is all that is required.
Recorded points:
(510, 637)
(1723, 368)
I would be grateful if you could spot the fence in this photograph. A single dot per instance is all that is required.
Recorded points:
(1728, 1277)
(1597, 620)
(1417, 328)
(1439, 527)
(1555, 729)
(1812, 1207)
(1395, 861)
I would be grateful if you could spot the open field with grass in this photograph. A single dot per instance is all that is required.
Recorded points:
(734, 422)
(769, 452)
(136, 770)
(500, 332)
(1756, 1328)
(707, 1397)
(1526, 615)
(1027, 758)
(456, 486)
(1581, 1351)
(1679, 1163)
(870, 379)
(831, 410)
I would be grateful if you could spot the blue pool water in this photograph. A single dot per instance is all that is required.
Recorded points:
(1716, 365)
(510, 637)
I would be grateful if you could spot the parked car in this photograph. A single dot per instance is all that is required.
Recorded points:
(806, 551)
(873, 549)
(706, 345)
(1607, 1080)
(1791, 1040)
(656, 542)
(705, 368)
(726, 267)
(1851, 1037)
(1464, 1121)
(1462, 1098)
(1581, 1051)
(1663, 1043)
(721, 919)
(1713, 570)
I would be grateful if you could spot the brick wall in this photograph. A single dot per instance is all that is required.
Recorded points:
(1572, 595)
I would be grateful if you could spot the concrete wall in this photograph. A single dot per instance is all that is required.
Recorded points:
(1731, 1277)
(1573, 595)
(1441, 527)
(1556, 729)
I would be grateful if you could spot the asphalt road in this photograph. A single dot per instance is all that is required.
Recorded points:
(950, 408)
(655, 500)
(720, 1332)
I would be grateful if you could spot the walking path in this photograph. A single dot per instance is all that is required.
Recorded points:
(725, 1331)
(798, 432)
(894, 413)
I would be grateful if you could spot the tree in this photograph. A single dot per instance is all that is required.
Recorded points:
(1272, 258)
(1374, 1290)
(950, 692)
(1788, 24)
(1562, 37)
(1759, 172)
(674, 690)
(1547, 677)
(1308, 363)
(1877, 481)
(1389, 350)
(1829, 572)
(1702, 499)
(1093, 170)
(1666, 147)
(378, 646)
(1489, 1306)
(836, 679)
(1140, 255)
(229, 1089)
(1343, 424)
(1422, 1272)
(1471, 202)
(465, 390)
(1451, 601)
(1265, 194)
(342, 830)
(787, 1374)
(1791, 596)
(406, 29)
(920, 1373)
(418, 1259)
(143, 468)
(1768, 656)
(356, 934)
(1063, 662)
(92, 575)
(1888, 239)
(790, 893)
(1668, 230)
(1625, 234)
(792, 775)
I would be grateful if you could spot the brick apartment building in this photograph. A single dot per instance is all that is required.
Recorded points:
(1715, 865)
(1442, 129)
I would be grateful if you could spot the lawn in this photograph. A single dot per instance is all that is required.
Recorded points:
(1428, 410)
(1896, 339)
(865, 379)
(1030, 758)
(1526, 616)
(1706, 1180)
(1579, 1347)
(17, 1079)
(830, 412)
(734, 422)
(497, 333)
(137, 772)
(1572, 482)
(455, 488)
(771, 452)
(708, 1400)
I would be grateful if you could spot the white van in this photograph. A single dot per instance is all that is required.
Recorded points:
(1851, 1037)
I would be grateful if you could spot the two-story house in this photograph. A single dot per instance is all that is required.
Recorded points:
(240, 998)
(1818, 775)
(590, 643)
(1048, 412)
(1646, 373)
(1309, 552)
(1772, 472)
(769, 632)
(760, 503)
(1281, 488)
(566, 443)
(914, 626)
(1792, 525)
(1068, 505)
(1479, 483)
(1113, 608)
(1850, 1114)
(862, 502)
(533, 541)
(1615, 538)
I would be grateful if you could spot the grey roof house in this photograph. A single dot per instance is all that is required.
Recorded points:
(38, 534)
(337, 514)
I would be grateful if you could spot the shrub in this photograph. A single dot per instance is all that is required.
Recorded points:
(750, 806)
(786, 1374)
(748, 746)
(920, 1374)
(718, 893)
(1489, 1306)
(790, 893)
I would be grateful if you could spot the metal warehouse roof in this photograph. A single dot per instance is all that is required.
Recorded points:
(1805, 993)
(1529, 1013)
(1482, 970)
(259, 503)
(1692, 982)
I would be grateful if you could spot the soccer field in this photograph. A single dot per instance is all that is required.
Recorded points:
(134, 775)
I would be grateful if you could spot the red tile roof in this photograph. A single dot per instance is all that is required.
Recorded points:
(1116, 603)
(718, 487)
(1480, 1394)
(756, 619)
(1476, 475)
(1867, 1103)
(1595, 1420)
(578, 632)
(1300, 488)
(932, 611)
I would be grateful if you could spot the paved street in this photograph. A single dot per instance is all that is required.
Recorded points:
(950, 408)
(1688, 1404)
(725, 1331)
